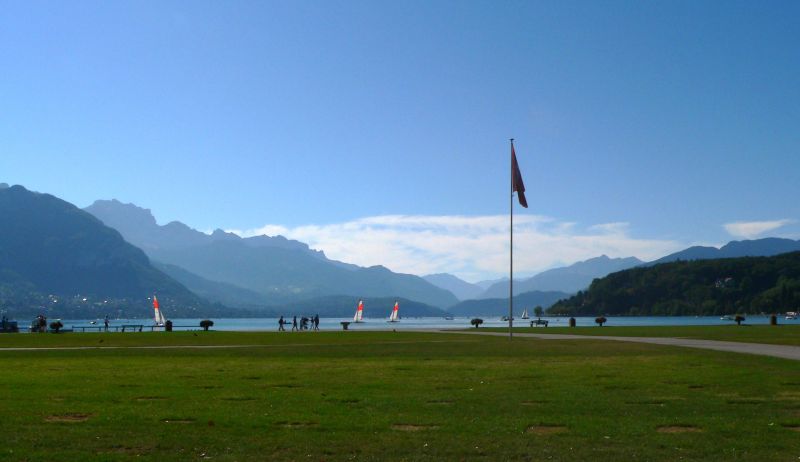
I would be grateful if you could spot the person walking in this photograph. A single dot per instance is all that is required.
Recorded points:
(316, 322)
(281, 322)
(294, 324)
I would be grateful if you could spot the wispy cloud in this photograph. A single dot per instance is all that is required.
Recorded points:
(751, 229)
(472, 247)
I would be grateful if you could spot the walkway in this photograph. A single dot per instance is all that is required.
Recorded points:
(778, 351)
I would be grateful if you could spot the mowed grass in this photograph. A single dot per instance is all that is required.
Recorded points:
(391, 396)
(780, 334)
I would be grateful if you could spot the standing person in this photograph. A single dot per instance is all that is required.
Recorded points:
(294, 324)
(316, 321)
(105, 321)
(281, 322)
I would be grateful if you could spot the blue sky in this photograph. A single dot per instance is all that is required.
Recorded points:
(378, 131)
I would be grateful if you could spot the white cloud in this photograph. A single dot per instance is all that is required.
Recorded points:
(471, 247)
(751, 229)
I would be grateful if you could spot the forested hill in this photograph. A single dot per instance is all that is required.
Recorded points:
(703, 287)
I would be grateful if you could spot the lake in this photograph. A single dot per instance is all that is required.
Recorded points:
(271, 324)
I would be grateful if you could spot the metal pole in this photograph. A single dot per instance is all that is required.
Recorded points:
(511, 247)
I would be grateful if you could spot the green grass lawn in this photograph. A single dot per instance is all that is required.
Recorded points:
(780, 334)
(390, 396)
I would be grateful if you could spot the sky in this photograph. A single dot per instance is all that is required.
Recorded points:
(379, 131)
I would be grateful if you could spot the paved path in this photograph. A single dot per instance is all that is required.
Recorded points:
(778, 351)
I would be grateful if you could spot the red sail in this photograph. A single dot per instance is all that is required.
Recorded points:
(516, 180)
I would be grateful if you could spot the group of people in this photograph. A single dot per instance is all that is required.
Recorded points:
(305, 323)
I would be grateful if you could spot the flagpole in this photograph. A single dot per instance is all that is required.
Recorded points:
(511, 246)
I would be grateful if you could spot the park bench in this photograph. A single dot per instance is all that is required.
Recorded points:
(539, 322)
(132, 327)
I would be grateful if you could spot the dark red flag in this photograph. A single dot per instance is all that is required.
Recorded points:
(516, 180)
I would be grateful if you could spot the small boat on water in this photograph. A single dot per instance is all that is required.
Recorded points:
(727, 318)
(394, 316)
(159, 316)
(448, 318)
(791, 315)
(525, 314)
(506, 318)
(359, 316)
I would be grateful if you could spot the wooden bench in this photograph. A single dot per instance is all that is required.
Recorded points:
(539, 322)
(132, 327)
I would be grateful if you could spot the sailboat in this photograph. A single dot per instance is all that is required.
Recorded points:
(525, 314)
(159, 316)
(359, 312)
(395, 315)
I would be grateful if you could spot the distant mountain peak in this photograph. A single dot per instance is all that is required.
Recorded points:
(132, 211)
(177, 225)
(3, 185)
(463, 290)
(220, 234)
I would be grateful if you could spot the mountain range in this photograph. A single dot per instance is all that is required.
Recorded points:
(765, 247)
(54, 257)
(579, 276)
(569, 279)
(278, 270)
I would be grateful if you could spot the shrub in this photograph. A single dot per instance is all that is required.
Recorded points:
(538, 311)
(206, 323)
(56, 326)
(476, 322)
(600, 320)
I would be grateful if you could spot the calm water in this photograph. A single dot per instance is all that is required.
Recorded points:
(267, 324)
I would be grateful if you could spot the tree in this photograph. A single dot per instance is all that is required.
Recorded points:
(600, 320)
(739, 319)
(56, 326)
(206, 323)
(476, 322)
(538, 311)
